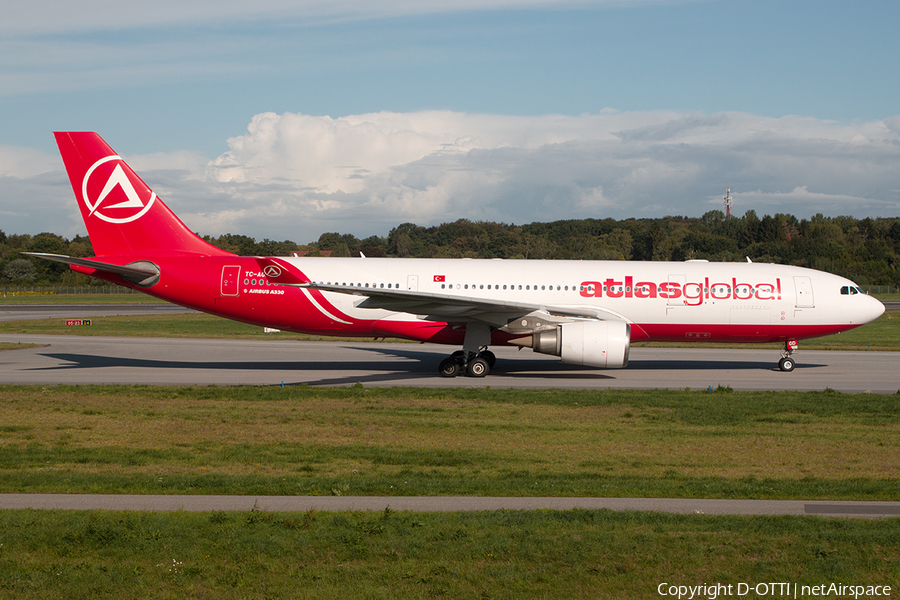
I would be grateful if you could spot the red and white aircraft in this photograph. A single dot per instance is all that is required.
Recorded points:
(586, 312)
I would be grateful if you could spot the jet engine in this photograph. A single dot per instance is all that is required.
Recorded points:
(601, 344)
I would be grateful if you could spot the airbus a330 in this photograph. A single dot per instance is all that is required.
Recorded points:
(585, 312)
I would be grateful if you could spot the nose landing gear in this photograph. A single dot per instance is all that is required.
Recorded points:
(786, 363)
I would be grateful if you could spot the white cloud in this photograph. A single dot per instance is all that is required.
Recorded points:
(52, 16)
(25, 162)
(295, 176)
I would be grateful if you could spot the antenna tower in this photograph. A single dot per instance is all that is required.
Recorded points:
(728, 203)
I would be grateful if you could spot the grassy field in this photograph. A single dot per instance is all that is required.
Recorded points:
(500, 555)
(374, 441)
(191, 325)
(252, 440)
(15, 345)
(33, 298)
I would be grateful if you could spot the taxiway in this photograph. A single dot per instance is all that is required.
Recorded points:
(71, 359)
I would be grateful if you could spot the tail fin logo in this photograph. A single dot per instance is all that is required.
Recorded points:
(118, 201)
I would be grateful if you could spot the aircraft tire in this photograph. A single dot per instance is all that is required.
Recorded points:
(449, 367)
(786, 364)
(490, 357)
(478, 367)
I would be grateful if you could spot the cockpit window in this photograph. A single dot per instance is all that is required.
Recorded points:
(850, 290)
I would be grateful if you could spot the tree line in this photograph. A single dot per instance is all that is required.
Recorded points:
(864, 250)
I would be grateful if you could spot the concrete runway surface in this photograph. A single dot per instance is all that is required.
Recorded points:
(73, 359)
(444, 504)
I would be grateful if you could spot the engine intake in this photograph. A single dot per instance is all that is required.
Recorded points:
(601, 344)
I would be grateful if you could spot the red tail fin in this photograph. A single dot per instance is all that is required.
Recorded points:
(123, 216)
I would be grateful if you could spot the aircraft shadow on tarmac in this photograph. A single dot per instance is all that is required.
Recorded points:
(387, 370)
(549, 367)
(392, 370)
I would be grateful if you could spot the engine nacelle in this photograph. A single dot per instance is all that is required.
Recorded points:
(601, 344)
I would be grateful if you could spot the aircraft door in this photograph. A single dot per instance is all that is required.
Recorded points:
(678, 300)
(803, 285)
(412, 283)
(231, 275)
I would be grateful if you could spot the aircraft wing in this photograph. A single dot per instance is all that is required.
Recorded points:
(446, 307)
(435, 306)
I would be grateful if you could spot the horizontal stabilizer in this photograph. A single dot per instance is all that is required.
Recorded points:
(137, 273)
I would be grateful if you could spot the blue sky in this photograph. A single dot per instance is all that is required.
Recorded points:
(288, 119)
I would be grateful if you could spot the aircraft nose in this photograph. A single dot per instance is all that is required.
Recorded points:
(871, 309)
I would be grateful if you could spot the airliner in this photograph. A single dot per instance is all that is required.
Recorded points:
(585, 312)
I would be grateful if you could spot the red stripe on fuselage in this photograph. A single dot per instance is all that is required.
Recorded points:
(665, 332)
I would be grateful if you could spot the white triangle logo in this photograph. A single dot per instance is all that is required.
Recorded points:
(118, 178)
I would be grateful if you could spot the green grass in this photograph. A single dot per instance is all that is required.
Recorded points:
(191, 325)
(36, 298)
(499, 555)
(15, 345)
(401, 441)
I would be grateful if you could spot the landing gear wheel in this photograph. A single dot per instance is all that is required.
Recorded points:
(478, 367)
(490, 357)
(449, 367)
(786, 364)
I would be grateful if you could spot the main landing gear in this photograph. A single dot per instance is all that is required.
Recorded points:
(473, 364)
(475, 360)
(787, 363)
